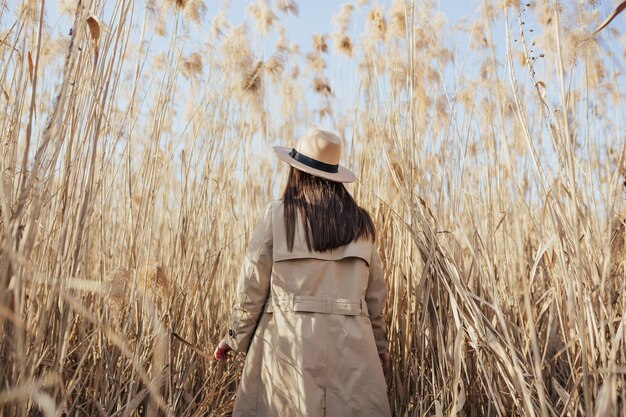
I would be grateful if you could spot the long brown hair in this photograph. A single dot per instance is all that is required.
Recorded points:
(332, 217)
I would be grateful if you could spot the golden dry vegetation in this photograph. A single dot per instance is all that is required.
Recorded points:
(490, 152)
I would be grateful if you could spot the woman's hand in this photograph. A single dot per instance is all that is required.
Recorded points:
(221, 351)
(385, 361)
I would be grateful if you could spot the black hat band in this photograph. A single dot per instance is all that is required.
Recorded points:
(313, 163)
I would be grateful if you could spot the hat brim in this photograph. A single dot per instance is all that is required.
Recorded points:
(342, 175)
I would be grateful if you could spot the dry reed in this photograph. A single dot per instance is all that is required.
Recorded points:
(128, 191)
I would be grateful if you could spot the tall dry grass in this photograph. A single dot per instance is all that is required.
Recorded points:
(136, 156)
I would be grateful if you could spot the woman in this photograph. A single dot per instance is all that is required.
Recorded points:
(309, 298)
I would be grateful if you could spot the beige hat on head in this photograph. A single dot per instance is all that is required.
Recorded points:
(317, 153)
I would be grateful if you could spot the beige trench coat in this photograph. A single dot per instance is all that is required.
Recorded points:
(311, 324)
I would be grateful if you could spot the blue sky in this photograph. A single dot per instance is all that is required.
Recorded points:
(316, 17)
(313, 17)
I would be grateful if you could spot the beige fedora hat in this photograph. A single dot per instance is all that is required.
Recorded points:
(317, 153)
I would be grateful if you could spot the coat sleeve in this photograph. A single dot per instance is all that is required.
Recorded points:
(375, 297)
(253, 285)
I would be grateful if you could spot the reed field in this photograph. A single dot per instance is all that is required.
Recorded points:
(136, 158)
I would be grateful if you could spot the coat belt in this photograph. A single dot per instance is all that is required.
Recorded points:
(318, 304)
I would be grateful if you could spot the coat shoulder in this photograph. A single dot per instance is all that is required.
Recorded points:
(275, 204)
(268, 213)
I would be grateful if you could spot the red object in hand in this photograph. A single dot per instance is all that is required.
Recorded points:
(221, 351)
